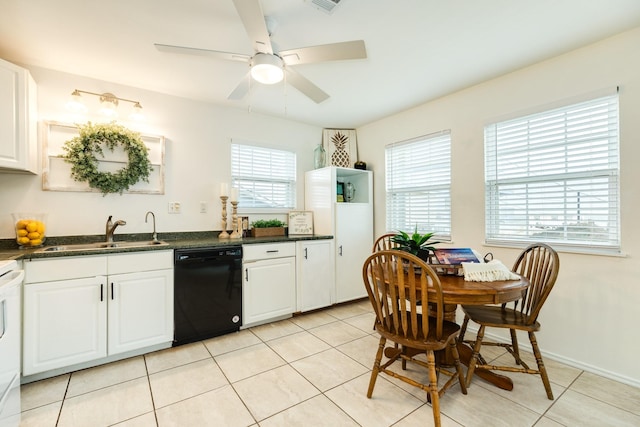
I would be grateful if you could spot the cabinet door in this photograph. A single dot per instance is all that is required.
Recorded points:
(269, 289)
(354, 238)
(140, 310)
(64, 323)
(315, 275)
(18, 144)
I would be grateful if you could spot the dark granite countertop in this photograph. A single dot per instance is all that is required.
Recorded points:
(204, 239)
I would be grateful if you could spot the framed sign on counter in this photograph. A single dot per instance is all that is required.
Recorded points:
(300, 222)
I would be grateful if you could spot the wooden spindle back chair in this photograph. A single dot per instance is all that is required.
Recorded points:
(540, 264)
(397, 282)
(384, 243)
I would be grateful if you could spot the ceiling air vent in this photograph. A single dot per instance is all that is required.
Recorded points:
(326, 5)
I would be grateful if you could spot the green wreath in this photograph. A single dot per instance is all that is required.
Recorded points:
(81, 153)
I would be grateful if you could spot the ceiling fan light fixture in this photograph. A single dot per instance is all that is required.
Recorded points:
(267, 69)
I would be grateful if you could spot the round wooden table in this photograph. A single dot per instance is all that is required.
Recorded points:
(456, 290)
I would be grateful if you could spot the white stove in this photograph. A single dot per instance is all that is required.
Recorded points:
(10, 291)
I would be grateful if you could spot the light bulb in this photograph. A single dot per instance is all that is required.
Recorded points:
(108, 105)
(75, 103)
(137, 114)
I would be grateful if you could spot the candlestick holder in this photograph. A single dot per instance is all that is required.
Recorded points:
(224, 234)
(235, 234)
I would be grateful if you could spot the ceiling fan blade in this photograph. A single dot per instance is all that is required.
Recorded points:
(328, 52)
(305, 86)
(242, 89)
(254, 23)
(202, 52)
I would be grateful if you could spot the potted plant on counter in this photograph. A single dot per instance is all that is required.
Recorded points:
(416, 243)
(267, 227)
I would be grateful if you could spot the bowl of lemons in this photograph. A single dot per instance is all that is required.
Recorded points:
(30, 229)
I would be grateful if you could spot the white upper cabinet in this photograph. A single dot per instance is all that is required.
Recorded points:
(18, 120)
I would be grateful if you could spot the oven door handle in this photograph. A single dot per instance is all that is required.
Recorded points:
(12, 278)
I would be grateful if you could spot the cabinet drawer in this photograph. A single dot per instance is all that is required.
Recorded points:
(141, 261)
(268, 251)
(48, 270)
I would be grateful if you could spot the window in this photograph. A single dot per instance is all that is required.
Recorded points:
(419, 185)
(265, 177)
(553, 177)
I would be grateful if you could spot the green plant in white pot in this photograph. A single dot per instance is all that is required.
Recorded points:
(417, 244)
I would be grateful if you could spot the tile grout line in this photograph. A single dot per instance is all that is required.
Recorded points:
(228, 380)
(153, 401)
(64, 397)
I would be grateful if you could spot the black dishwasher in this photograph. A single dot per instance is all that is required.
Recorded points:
(207, 293)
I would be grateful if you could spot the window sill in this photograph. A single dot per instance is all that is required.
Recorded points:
(560, 248)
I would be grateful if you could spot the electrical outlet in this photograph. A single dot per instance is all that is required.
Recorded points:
(203, 207)
(174, 207)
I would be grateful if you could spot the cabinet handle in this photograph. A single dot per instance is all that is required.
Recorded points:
(246, 274)
(274, 251)
(112, 291)
(101, 292)
(305, 253)
(340, 250)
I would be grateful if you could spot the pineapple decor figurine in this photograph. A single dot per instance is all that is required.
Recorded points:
(340, 156)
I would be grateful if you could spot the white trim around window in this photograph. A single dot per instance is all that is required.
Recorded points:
(553, 176)
(418, 185)
(265, 178)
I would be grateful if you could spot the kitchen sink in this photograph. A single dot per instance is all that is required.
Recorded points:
(102, 245)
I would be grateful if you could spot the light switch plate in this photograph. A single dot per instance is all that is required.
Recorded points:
(203, 207)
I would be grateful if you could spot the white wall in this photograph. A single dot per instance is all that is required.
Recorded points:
(198, 137)
(590, 319)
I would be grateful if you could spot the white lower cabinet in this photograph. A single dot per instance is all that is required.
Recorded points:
(74, 319)
(140, 310)
(269, 282)
(65, 323)
(315, 274)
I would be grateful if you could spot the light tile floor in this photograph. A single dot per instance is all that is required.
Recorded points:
(311, 370)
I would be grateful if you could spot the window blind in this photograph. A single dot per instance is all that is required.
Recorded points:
(265, 177)
(418, 184)
(554, 176)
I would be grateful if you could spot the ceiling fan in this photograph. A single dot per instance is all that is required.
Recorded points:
(267, 66)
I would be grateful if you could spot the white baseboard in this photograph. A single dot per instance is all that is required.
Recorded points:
(525, 345)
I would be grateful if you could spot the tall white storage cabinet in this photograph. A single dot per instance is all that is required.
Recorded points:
(351, 223)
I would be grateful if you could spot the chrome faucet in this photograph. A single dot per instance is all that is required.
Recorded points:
(154, 235)
(111, 228)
